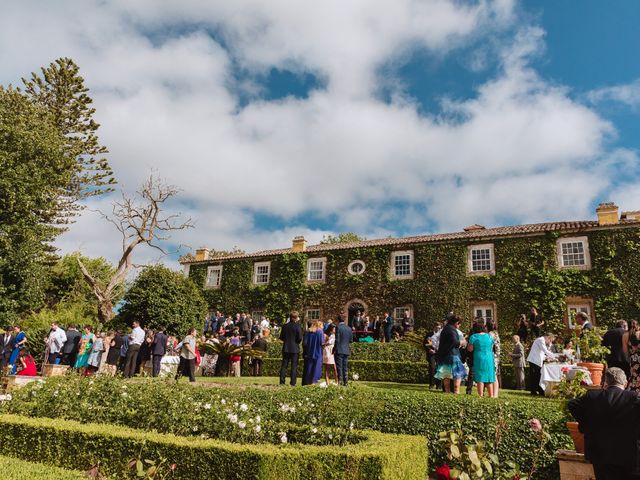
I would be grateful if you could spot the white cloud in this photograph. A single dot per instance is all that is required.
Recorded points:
(164, 88)
(628, 94)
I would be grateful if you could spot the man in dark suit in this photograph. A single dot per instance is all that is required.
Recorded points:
(610, 421)
(71, 346)
(344, 336)
(158, 350)
(613, 340)
(291, 336)
(6, 347)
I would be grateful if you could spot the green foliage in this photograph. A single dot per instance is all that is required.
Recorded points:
(590, 344)
(345, 237)
(526, 275)
(170, 408)
(377, 351)
(77, 444)
(16, 469)
(162, 297)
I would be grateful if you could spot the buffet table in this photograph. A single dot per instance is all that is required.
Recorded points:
(555, 372)
(168, 366)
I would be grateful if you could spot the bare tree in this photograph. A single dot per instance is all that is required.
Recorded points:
(140, 221)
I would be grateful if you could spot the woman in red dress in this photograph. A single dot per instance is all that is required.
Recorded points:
(28, 364)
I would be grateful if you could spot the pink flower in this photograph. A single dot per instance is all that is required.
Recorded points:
(443, 472)
(535, 425)
(173, 467)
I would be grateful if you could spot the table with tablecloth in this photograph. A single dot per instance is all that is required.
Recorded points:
(555, 372)
(168, 366)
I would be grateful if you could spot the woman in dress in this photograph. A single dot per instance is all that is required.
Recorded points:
(631, 346)
(493, 331)
(522, 332)
(328, 360)
(450, 368)
(84, 349)
(27, 364)
(313, 340)
(535, 323)
(93, 362)
(113, 355)
(18, 344)
(481, 344)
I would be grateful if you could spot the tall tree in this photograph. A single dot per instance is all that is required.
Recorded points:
(33, 169)
(60, 90)
(140, 222)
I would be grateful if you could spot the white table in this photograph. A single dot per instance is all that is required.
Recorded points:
(555, 372)
(168, 366)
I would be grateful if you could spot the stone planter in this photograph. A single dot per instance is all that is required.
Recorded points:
(595, 370)
(50, 370)
(577, 436)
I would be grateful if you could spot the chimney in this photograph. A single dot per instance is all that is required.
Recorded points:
(202, 253)
(299, 244)
(608, 214)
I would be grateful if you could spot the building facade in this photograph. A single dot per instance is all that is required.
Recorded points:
(561, 268)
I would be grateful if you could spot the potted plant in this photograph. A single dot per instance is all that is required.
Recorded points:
(592, 353)
(568, 390)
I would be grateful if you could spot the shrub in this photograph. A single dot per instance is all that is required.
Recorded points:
(16, 469)
(167, 407)
(377, 351)
(81, 444)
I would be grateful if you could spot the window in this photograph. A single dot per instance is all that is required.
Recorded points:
(480, 259)
(261, 271)
(576, 305)
(356, 267)
(402, 264)
(312, 314)
(214, 277)
(574, 253)
(257, 315)
(484, 312)
(398, 312)
(316, 269)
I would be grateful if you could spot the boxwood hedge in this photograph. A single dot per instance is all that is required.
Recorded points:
(16, 469)
(167, 407)
(79, 445)
(377, 351)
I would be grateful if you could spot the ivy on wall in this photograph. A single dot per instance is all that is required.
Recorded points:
(526, 275)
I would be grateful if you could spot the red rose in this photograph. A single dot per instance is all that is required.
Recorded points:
(443, 472)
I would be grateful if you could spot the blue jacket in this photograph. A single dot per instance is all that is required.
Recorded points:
(344, 336)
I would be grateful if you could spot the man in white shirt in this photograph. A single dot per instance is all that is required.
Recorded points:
(537, 355)
(264, 324)
(55, 342)
(136, 337)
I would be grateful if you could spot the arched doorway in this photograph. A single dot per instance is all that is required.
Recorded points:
(352, 308)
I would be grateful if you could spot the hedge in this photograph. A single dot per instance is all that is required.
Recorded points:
(16, 469)
(377, 351)
(78, 445)
(174, 408)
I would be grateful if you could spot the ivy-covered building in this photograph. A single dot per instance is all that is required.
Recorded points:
(559, 267)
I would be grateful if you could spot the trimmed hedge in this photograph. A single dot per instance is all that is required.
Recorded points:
(175, 408)
(16, 469)
(70, 443)
(376, 351)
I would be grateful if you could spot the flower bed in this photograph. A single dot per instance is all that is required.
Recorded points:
(167, 407)
(80, 445)
(16, 469)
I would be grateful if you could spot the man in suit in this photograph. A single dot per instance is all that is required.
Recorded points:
(582, 319)
(344, 336)
(610, 420)
(517, 358)
(71, 346)
(291, 336)
(613, 340)
(6, 347)
(158, 350)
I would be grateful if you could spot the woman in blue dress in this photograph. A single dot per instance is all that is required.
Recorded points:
(86, 345)
(481, 344)
(18, 344)
(450, 368)
(313, 341)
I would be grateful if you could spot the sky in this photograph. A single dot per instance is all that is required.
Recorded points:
(380, 117)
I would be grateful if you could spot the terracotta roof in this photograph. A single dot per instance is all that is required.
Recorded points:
(474, 234)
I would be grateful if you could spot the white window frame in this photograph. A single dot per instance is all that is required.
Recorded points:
(392, 266)
(323, 271)
(576, 305)
(208, 277)
(356, 262)
(492, 262)
(312, 309)
(484, 306)
(585, 246)
(256, 266)
(257, 315)
(402, 309)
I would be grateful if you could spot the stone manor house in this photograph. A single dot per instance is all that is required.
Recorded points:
(564, 267)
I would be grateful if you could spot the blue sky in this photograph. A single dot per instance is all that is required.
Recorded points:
(385, 118)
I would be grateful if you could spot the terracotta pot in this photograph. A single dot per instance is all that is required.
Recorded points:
(595, 369)
(577, 436)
